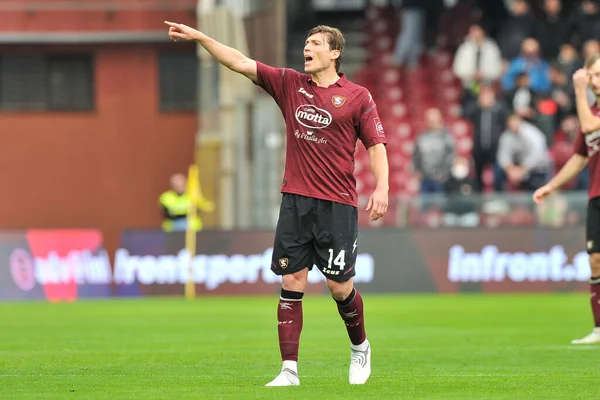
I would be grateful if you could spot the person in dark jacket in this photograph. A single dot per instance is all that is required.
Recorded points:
(552, 30)
(516, 29)
(488, 118)
(589, 21)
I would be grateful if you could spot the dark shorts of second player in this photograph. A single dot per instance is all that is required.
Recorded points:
(592, 226)
(315, 232)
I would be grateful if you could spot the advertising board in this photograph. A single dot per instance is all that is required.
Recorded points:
(389, 261)
(55, 265)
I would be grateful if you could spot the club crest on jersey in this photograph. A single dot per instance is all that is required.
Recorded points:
(338, 101)
(283, 263)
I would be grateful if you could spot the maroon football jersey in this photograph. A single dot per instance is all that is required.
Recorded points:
(323, 126)
(588, 146)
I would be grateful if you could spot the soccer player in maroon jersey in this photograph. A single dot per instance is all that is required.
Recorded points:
(325, 115)
(586, 153)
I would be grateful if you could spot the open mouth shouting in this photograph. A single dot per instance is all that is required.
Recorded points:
(307, 60)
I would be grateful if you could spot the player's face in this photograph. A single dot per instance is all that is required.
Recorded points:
(594, 72)
(317, 54)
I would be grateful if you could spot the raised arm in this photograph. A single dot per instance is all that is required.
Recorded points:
(225, 55)
(588, 121)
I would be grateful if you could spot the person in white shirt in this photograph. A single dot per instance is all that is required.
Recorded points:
(477, 62)
(523, 154)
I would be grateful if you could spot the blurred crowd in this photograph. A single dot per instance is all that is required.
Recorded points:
(515, 66)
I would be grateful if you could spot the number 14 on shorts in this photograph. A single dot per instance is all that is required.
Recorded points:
(338, 261)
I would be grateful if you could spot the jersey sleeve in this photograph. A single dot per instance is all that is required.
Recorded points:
(272, 80)
(580, 147)
(370, 128)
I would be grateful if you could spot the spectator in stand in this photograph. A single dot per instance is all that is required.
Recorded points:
(590, 48)
(516, 29)
(589, 21)
(477, 62)
(522, 98)
(493, 14)
(523, 154)
(569, 61)
(433, 154)
(531, 63)
(410, 41)
(488, 118)
(561, 91)
(552, 30)
(460, 207)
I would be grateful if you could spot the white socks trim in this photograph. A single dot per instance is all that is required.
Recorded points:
(289, 364)
(360, 347)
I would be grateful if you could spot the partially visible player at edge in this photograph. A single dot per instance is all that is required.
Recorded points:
(325, 115)
(586, 152)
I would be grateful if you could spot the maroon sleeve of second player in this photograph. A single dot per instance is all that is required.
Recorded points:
(580, 147)
(370, 127)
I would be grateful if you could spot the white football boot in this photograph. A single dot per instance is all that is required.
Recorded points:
(360, 363)
(288, 375)
(592, 338)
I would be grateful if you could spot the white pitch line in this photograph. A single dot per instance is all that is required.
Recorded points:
(482, 375)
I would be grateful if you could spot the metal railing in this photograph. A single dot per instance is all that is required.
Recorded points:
(492, 210)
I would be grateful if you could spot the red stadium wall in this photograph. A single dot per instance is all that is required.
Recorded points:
(31, 16)
(102, 169)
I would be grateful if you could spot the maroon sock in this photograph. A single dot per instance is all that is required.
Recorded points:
(595, 299)
(351, 311)
(289, 319)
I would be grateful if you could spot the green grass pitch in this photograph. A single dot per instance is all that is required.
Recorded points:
(424, 347)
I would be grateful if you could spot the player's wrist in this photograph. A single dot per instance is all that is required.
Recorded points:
(199, 37)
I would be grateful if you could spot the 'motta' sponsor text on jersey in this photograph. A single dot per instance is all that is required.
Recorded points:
(323, 126)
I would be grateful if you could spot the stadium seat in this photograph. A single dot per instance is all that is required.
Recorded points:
(398, 163)
(461, 127)
(393, 94)
(464, 147)
(561, 151)
(441, 59)
(399, 130)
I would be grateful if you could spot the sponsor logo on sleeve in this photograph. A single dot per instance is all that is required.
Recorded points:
(378, 126)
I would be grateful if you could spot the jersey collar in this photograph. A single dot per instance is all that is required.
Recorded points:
(340, 82)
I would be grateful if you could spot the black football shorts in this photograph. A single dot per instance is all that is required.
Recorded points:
(592, 226)
(315, 232)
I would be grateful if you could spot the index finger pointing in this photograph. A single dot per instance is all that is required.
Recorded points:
(173, 24)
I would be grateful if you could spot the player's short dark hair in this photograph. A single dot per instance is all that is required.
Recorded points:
(335, 39)
(591, 60)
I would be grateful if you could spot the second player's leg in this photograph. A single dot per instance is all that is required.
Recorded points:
(593, 249)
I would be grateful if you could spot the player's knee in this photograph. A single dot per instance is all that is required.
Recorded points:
(340, 290)
(595, 264)
(295, 282)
